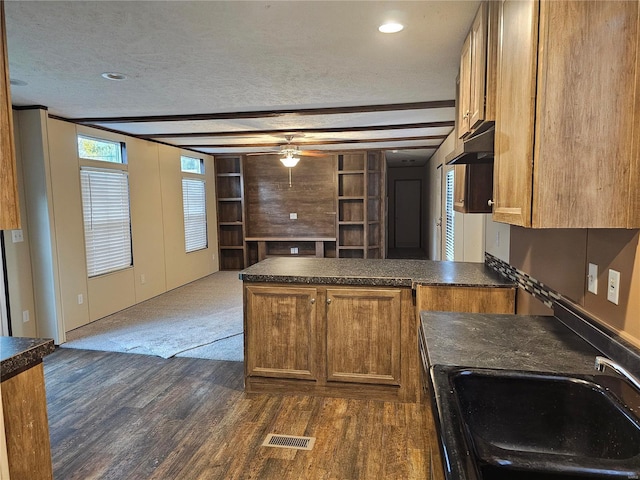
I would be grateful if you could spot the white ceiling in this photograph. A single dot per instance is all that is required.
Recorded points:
(213, 70)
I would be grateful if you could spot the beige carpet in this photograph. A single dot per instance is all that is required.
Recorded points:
(202, 319)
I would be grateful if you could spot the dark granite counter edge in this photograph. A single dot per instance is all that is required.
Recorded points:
(25, 359)
(363, 281)
(311, 280)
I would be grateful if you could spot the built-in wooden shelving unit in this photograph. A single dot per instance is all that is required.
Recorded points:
(230, 204)
(360, 229)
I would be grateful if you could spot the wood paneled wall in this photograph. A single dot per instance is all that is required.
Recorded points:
(269, 199)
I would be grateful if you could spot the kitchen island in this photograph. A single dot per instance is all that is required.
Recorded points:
(349, 327)
(24, 407)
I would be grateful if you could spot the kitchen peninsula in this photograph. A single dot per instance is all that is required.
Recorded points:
(24, 407)
(349, 327)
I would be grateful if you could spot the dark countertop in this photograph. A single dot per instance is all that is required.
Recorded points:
(511, 342)
(18, 354)
(372, 272)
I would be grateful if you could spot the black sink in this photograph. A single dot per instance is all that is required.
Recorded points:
(529, 426)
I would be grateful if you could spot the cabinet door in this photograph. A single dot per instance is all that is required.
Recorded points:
(517, 64)
(478, 67)
(280, 329)
(363, 336)
(587, 115)
(465, 88)
(9, 210)
(459, 188)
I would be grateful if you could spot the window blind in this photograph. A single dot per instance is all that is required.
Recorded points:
(195, 214)
(449, 237)
(107, 225)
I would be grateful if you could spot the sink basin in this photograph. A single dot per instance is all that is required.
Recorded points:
(525, 425)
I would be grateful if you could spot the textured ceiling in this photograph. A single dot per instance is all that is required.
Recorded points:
(208, 58)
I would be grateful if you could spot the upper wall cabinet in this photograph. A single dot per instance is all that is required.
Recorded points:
(9, 211)
(478, 72)
(568, 122)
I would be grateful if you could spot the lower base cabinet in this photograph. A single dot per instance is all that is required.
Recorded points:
(24, 410)
(325, 340)
(359, 342)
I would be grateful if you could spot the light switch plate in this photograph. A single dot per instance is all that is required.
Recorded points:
(613, 287)
(293, 216)
(17, 236)
(592, 279)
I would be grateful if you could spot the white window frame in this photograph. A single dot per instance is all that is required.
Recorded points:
(194, 208)
(107, 250)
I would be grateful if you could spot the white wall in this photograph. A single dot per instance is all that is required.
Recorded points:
(469, 229)
(51, 276)
(497, 238)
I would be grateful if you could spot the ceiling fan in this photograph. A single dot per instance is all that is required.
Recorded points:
(290, 154)
(290, 150)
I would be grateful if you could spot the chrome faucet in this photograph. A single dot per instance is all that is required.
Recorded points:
(602, 362)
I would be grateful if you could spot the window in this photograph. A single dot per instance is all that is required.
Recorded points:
(194, 203)
(195, 214)
(101, 150)
(449, 237)
(191, 165)
(107, 225)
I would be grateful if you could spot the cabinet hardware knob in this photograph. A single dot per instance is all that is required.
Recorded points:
(328, 301)
(491, 203)
(313, 300)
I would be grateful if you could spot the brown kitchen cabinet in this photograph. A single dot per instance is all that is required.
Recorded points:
(473, 187)
(281, 334)
(447, 298)
(346, 341)
(567, 142)
(478, 65)
(363, 335)
(9, 209)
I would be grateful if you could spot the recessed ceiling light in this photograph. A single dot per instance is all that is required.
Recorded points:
(114, 76)
(390, 27)
(17, 83)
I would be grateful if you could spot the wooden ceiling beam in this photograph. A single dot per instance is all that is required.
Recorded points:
(271, 113)
(321, 142)
(250, 133)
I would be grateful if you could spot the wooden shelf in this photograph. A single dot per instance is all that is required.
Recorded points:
(230, 205)
(360, 198)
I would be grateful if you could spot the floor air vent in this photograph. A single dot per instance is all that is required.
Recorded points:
(289, 441)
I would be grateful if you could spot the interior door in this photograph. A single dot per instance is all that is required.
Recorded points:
(408, 213)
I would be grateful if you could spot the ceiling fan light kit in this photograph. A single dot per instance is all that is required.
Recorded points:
(290, 161)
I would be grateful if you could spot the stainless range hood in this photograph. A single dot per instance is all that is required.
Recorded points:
(477, 149)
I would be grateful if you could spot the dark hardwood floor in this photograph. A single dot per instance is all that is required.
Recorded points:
(126, 416)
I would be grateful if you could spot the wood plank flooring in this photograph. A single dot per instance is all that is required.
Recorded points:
(125, 416)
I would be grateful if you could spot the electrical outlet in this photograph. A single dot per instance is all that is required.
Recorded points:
(294, 250)
(613, 288)
(25, 316)
(293, 216)
(143, 278)
(592, 279)
(80, 299)
(497, 239)
(17, 236)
